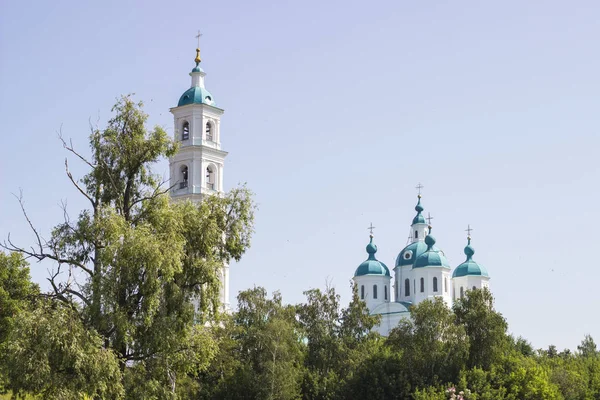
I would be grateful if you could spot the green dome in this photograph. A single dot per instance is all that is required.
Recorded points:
(409, 254)
(196, 95)
(419, 218)
(371, 266)
(469, 267)
(433, 257)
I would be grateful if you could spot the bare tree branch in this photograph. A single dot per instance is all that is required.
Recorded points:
(77, 185)
(70, 148)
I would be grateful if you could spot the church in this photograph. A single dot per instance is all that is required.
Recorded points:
(421, 270)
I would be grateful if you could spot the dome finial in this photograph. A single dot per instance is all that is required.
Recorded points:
(371, 248)
(429, 239)
(469, 251)
(197, 59)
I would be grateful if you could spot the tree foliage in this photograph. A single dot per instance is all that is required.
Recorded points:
(128, 267)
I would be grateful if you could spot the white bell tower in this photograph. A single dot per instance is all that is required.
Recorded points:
(197, 168)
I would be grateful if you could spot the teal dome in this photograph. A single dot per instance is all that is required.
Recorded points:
(196, 95)
(469, 267)
(419, 218)
(433, 257)
(371, 266)
(410, 253)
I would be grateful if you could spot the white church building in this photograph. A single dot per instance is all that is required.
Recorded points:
(421, 272)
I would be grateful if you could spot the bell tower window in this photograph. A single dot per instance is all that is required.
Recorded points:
(209, 132)
(375, 291)
(422, 282)
(435, 288)
(210, 177)
(362, 292)
(185, 131)
(183, 183)
(416, 234)
(407, 287)
(385, 294)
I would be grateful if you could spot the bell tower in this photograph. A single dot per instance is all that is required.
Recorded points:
(197, 168)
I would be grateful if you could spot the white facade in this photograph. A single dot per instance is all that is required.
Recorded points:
(464, 283)
(373, 289)
(197, 168)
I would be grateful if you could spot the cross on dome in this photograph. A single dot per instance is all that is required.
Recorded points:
(468, 230)
(419, 187)
(429, 218)
(197, 59)
(370, 228)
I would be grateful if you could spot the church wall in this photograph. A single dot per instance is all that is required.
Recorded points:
(368, 281)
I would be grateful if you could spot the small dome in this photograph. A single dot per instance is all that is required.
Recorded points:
(433, 257)
(470, 267)
(409, 254)
(196, 95)
(372, 266)
(419, 218)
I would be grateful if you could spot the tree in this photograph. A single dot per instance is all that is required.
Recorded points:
(17, 295)
(50, 352)
(587, 348)
(17, 292)
(434, 347)
(129, 266)
(260, 352)
(485, 327)
(338, 341)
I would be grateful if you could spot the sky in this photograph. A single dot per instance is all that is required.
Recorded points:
(334, 112)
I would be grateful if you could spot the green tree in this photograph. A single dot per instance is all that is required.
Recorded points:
(50, 352)
(434, 347)
(338, 341)
(17, 295)
(260, 353)
(485, 327)
(587, 348)
(383, 375)
(129, 266)
(17, 292)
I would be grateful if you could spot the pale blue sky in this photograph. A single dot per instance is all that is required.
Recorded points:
(334, 111)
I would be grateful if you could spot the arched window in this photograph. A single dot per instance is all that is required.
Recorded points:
(446, 284)
(416, 234)
(406, 287)
(396, 290)
(435, 284)
(462, 292)
(374, 291)
(209, 132)
(362, 292)
(210, 177)
(385, 292)
(183, 182)
(185, 131)
(422, 285)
